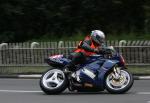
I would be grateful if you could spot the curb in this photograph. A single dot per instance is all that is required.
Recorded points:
(37, 76)
(32, 76)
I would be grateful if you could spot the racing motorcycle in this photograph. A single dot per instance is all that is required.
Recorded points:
(99, 72)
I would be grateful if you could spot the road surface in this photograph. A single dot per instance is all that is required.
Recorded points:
(28, 91)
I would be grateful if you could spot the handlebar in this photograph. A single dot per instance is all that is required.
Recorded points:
(108, 52)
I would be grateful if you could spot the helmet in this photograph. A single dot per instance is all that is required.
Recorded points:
(98, 36)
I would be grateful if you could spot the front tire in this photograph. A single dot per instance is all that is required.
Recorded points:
(122, 85)
(53, 81)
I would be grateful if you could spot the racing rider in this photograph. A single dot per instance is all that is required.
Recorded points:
(92, 44)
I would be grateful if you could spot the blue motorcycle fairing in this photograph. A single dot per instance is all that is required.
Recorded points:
(95, 65)
(108, 64)
(89, 72)
(99, 68)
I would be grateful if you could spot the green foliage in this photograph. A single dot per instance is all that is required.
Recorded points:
(129, 36)
(78, 37)
(22, 20)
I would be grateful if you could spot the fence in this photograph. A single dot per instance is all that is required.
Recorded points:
(33, 54)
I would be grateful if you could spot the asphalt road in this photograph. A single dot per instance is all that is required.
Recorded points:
(28, 91)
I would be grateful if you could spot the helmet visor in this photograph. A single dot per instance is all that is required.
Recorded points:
(101, 40)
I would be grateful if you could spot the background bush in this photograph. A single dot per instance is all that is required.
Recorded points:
(22, 20)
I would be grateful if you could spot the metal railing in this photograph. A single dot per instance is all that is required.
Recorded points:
(33, 54)
(135, 55)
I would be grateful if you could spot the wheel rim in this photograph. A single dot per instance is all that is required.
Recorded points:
(120, 83)
(53, 79)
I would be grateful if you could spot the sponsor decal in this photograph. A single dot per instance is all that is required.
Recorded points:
(88, 73)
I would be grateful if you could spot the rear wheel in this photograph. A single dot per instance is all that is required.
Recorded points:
(53, 81)
(121, 84)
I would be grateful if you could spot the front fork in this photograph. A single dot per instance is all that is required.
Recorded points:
(116, 72)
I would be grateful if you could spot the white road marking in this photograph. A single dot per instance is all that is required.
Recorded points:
(19, 91)
(148, 93)
(29, 76)
(30, 91)
(144, 77)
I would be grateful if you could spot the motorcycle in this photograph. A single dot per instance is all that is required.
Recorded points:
(99, 72)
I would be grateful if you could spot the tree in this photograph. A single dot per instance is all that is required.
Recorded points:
(22, 20)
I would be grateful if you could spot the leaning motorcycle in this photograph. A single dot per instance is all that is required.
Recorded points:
(99, 72)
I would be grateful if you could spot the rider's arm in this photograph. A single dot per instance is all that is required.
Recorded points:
(86, 45)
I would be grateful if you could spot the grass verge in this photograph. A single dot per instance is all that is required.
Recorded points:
(136, 70)
(139, 70)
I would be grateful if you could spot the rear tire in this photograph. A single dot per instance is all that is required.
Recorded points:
(53, 81)
(122, 85)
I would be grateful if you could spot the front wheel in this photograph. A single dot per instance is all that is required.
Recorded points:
(121, 84)
(53, 81)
